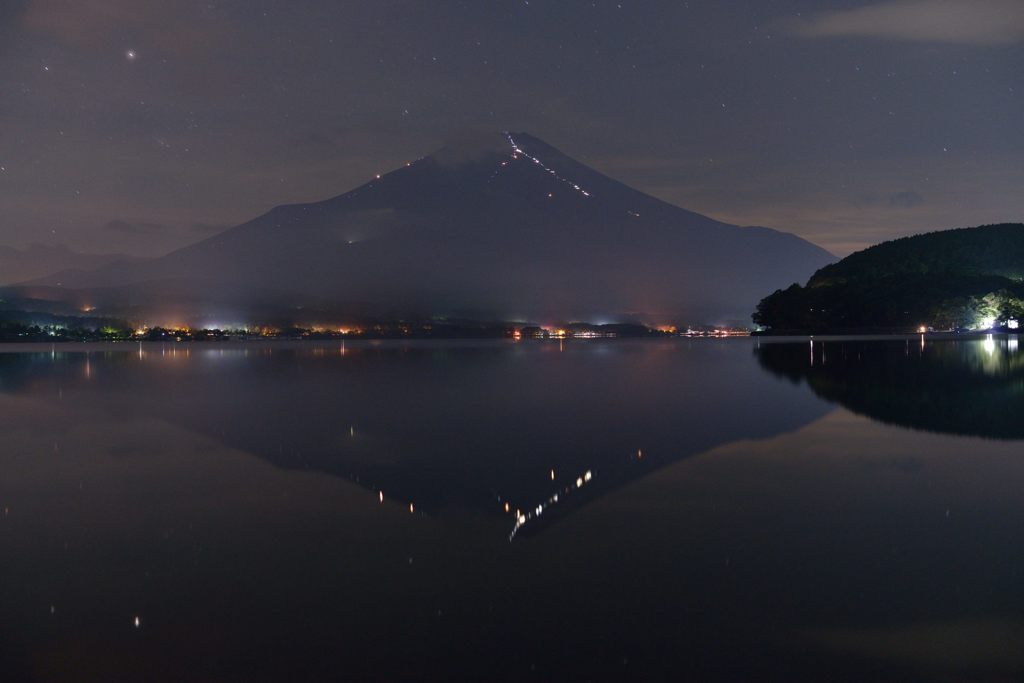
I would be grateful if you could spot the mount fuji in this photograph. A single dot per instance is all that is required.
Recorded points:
(503, 228)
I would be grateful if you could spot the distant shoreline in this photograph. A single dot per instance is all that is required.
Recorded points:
(885, 334)
(25, 330)
(65, 345)
(229, 339)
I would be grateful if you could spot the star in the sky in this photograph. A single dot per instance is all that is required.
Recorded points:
(130, 55)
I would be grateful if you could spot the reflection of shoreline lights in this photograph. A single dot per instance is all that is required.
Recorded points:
(523, 518)
(518, 151)
(989, 344)
(1012, 344)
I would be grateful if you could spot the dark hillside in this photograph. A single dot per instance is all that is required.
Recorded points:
(970, 278)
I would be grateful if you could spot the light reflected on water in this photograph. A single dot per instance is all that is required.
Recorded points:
(553, 499)
(786, 518)
(971, 386)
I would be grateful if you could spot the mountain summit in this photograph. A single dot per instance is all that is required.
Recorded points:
(505, 227)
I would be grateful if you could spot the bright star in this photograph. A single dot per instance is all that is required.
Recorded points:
(130, 55)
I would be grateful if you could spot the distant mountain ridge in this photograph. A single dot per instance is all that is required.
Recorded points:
(502, 227)
(40, 260)
(964, 278)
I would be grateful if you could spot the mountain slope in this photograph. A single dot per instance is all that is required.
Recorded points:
(505, 227)
(39, 260)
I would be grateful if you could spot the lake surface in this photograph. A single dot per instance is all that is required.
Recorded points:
(741, 509)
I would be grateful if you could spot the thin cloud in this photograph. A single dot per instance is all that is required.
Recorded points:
(961, 22)
(208, 228)
(11, 14)
(105, 26)
(134, 228)
(906, 199)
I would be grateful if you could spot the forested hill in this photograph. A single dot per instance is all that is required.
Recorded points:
(988, 250)
(970, 278)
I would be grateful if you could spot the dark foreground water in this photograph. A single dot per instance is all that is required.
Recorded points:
(677, 510)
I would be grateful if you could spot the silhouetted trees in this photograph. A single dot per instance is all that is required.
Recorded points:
(968, 278)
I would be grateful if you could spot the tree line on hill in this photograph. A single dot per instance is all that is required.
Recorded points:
(951, 280)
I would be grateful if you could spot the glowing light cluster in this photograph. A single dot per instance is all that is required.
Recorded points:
(517, 151)
(523, 517)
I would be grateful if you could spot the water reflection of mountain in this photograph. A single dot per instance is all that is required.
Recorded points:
(970, 387)
(459, 425)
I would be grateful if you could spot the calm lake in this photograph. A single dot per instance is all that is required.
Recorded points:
(740, 509)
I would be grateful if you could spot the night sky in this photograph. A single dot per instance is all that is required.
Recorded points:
(138, 126)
